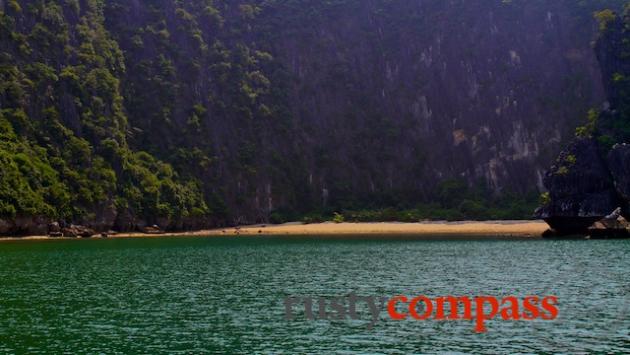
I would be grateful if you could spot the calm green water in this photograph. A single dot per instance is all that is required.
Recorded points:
(225, 295)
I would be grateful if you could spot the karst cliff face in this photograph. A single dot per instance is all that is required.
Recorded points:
(194, 113)
(402, 95)
(591, 177)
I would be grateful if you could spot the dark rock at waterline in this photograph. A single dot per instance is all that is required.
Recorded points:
(552, 233)
(549, 233)
(581, 189)
(75, 231)
(31, 225)
(54, 229)
(124, 222)
(584, 188)
(154, 229)
(612, 226)
(69, 232)
(86, 232)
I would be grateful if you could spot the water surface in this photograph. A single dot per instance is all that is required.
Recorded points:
(205, 295)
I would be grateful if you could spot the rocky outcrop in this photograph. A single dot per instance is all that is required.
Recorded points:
(75, 231)
(591, 178)
(588, 194)
(124, 221)
(154, 229)
(54, 230)
(581, 189)
(613, 226)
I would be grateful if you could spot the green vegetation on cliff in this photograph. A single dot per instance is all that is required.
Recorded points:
(189, 114)
(64, 151)
(590, 178)
(612, 125)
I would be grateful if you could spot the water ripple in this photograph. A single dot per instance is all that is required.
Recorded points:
(218, 295)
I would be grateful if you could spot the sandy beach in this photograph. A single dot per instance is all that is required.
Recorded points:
(489, 228)
(532, 229)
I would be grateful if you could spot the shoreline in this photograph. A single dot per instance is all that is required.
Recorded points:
(462, 229)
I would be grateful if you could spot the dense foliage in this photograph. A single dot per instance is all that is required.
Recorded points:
(455, 201)
(612, 125)
(64, 150)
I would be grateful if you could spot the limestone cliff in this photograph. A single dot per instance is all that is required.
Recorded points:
(204, 112)
(591, 177)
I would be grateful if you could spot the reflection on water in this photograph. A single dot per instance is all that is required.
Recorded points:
(226, 294)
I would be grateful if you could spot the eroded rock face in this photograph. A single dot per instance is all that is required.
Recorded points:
(32, 225)
(127, 221)
(449, 92)
(619, 165)
(581, 189)
(6, 226)
(104, 220)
